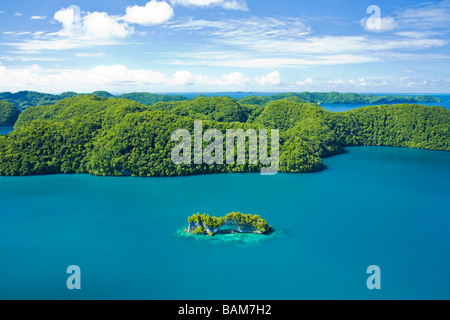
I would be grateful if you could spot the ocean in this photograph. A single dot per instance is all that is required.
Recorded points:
(371, 206)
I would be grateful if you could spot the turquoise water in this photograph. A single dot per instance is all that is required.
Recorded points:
(372, 206)
(6, 130)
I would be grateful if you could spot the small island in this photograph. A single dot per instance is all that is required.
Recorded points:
(234, 222)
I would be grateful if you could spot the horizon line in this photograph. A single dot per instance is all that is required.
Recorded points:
(234, 92)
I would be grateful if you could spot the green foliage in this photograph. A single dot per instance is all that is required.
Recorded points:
(412, 126)
(90, 134)
(283, 115)
(221, 109)
(335, 97)
(149, 98)
(69, 94)
(199, 231)
(76, 106)
(251, 105)
(8, 114)
(209, 222)
(103, 94)
(44, 147)
(305, 144)
(25, 99)
(248, 219)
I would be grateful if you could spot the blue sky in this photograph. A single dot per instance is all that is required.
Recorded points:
(225, 45)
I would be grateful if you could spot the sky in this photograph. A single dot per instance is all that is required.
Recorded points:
(181, 46)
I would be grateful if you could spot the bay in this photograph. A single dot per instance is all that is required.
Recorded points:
(6, 130)
(371, 206)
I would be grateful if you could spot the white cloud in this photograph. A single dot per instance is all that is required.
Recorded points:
(57, 43)
(228, 80)
(272, 79)
(182, 78)
(379, 24)
(38, 17)
(255, 27)
(70, 18)
(102, 77)
(28, 58)
(232, 79)
(119, 78)
(351, 84)
(78, 31)
(235, 5)
(16, 34)
(426, 15)
(415, 34)
(415, 82)
(95, 25)
(422, 16)
(336, 82)
(154, 12)
(118, 74)
(225, 4)
(199, 3)
(102, 26)
(18, 14)
(90, 55)
(81, 29)
(288, 41)
(308, 81)
(316, 60)
(362, 82)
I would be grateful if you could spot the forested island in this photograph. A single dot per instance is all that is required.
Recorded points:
(234, 222)
(26, 99)
(112, 136)
(8, 114)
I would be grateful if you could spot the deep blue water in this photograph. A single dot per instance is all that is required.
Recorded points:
(338, 107)
(372, 206)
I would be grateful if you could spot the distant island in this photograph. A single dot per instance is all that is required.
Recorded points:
(26, 99)
(9, 114)
(121, 137)
(234, 222)
(12, 104)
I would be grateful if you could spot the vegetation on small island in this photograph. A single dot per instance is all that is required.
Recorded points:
(234, 222)
(120, 137)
